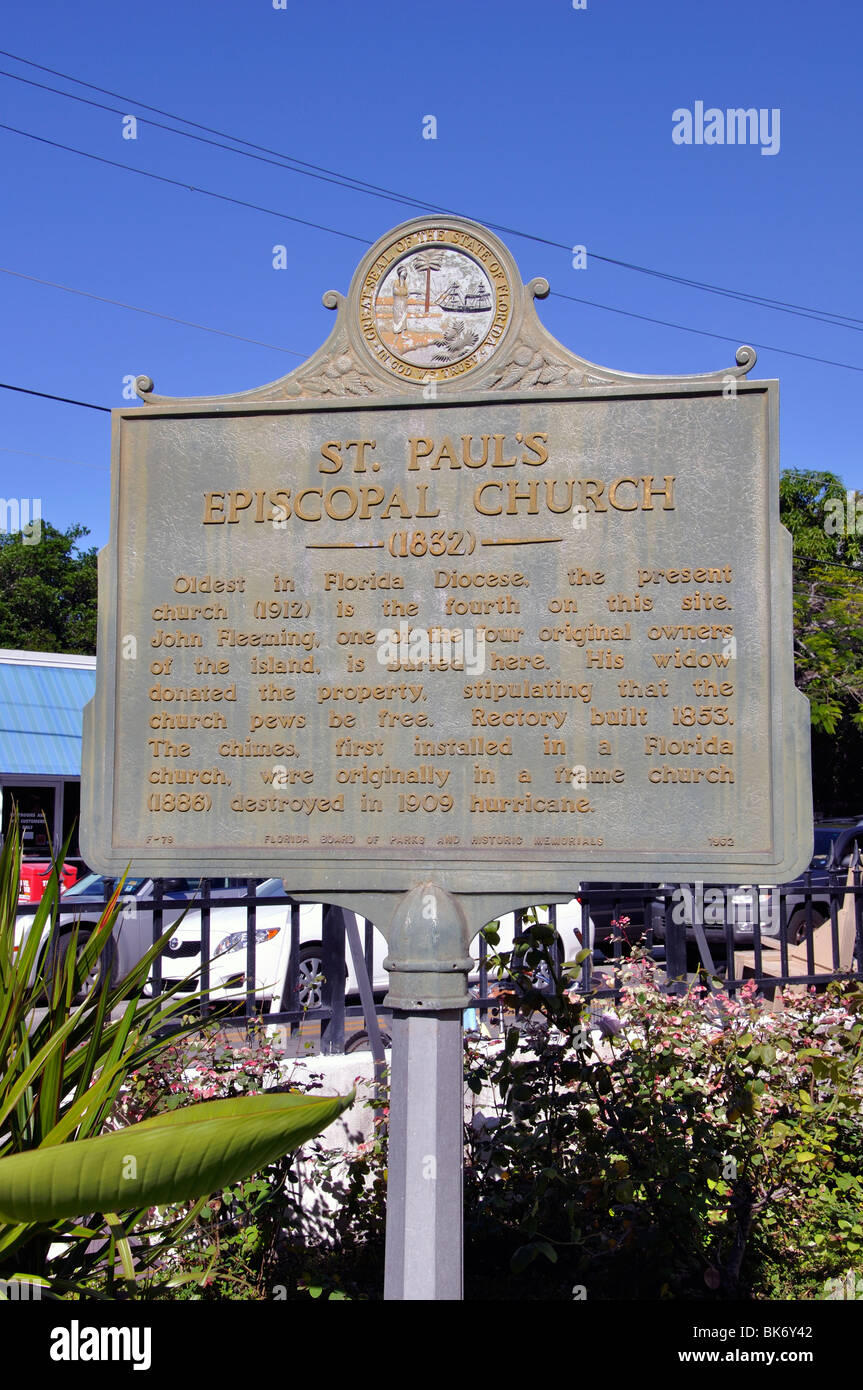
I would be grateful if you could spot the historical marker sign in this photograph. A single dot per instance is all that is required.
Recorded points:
(449, 601)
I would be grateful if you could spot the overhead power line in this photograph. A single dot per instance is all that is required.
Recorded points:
(278, 162)
(273, 212)
(136, 309)
(179, 183)
(55, 458)
(829, 564)
(358, 185)
(161, 178)
(328, 175)
(46, 396)
(704, 333)
(266, 155)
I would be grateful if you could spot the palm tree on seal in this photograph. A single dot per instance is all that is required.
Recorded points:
(428, 261)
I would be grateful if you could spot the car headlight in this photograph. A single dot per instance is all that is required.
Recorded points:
(237, 940)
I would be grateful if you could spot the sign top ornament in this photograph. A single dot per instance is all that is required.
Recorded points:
(438, 304)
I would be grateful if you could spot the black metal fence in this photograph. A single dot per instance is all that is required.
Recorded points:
(806, 933)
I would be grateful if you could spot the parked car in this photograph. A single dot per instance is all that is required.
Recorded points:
(714, 906)
(181, 960)
(228, 949)
(623, 903)
(835, 846)
(807, 897)
(847, 839)
(82, 905)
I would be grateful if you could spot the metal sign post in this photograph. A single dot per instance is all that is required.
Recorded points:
(429, 960)
(428, 965)
(426, 1143)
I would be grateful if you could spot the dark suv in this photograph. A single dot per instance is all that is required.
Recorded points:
(837, 843)
(806, 898)
(625, 903)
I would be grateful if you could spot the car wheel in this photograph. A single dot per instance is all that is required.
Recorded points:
(797, 929)
(359, 1042)
(102, 974)
(310, 978)
(541, 978)
(538, 977)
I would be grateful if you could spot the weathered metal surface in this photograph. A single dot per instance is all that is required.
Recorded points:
(587, 591)
(424, 1245)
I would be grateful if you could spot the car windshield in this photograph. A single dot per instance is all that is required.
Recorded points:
(95, 886)
(271, 888)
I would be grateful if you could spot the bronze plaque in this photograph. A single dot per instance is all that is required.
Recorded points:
(449, 601)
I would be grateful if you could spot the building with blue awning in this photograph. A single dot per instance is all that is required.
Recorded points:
(42, 697)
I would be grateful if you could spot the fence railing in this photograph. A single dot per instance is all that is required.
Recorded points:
(806, 933)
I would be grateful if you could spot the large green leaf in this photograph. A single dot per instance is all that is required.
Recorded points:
(174, 1157)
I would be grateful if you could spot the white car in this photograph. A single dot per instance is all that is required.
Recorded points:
(82, 905)
(182, 956)
(228, 949)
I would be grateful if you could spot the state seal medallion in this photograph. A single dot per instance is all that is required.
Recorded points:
(434, 304)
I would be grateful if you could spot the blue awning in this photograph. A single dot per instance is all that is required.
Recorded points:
(40, 718)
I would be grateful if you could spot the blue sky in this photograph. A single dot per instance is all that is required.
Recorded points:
(551, 121)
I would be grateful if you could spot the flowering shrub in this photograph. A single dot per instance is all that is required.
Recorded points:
(294, 1231)
(675, 1146)
(208, 1066)
(665, 1146)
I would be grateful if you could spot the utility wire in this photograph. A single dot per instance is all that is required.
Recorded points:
(345, 180)
(46, 396)
(136, 308)
(273, 212)
(375, 190)
(179, 183)
(828, 564)
(704, 333)
(279, 162)
(55, 458)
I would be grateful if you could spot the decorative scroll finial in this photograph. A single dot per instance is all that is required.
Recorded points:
(437, 307)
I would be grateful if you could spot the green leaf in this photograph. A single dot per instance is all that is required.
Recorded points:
(171, 1158)
(543, 1247)
(522, 1257)
(583, 955)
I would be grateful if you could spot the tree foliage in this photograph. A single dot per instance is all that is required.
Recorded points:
(828, 594)
(48, 592)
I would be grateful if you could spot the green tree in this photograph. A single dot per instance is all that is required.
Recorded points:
(48, 592)
(828, 595)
